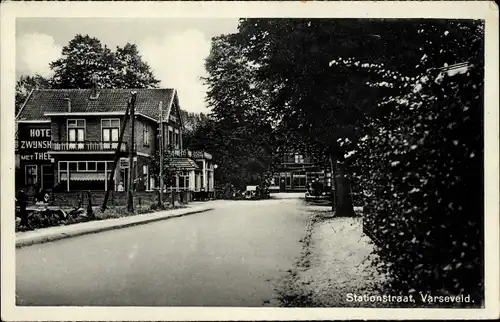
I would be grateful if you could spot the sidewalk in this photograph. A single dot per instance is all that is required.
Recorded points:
(44, 235)
(342, 262)
(337, 259)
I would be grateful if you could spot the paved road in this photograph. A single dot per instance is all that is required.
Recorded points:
(230, 256)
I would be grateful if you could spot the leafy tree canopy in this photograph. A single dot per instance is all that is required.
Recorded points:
(85, 56)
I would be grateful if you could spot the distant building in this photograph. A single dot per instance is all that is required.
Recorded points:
(296, 172)
(66, 141)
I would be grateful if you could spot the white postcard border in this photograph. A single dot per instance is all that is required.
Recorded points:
(345, 9)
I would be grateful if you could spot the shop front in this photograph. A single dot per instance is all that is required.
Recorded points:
(36, 166)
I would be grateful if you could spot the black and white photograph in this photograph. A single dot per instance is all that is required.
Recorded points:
(175, 157)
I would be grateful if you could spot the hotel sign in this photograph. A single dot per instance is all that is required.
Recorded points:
(34, 144)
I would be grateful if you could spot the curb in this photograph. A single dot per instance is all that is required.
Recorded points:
(59, 236)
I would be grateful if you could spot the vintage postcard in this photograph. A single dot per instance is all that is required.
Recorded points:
(249, 160)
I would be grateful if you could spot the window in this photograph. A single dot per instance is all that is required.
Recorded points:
(84, 175)
(110, 123)
(63, 171)
(290, 158)
(76, 133)
(82, 166)
(184, 180)
(299, 180)
(145, 134)
(170, 136)
(31, 174)
(177, 139)
(299, 158)
(110, 133)
(91, 166)
(288, 182)
(100, 166)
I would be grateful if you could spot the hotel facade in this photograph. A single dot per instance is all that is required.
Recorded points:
(67, 139)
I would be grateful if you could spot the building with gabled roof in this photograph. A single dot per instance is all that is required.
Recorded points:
(67, 140)
(54, 102)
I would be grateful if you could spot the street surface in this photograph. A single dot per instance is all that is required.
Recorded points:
(231, 256)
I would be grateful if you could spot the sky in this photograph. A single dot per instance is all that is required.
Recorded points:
(174, 48)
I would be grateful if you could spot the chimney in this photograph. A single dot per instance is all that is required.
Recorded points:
(68, 100)
(94, 93)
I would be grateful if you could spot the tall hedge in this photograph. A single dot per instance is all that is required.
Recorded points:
(421, 170)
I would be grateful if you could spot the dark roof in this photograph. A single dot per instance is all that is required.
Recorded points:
(183, 164)
(109, 100)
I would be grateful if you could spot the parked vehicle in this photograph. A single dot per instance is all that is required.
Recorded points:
(318, 192)
(251, 192)
(256, 192)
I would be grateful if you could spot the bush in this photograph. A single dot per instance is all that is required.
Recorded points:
(422, 176)
(225, 191)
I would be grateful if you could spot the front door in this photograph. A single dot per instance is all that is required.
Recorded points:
(47, 174)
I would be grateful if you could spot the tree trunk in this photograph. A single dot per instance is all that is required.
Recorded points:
(344, 200)
(333, 188)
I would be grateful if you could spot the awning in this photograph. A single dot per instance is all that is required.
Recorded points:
(183, 164)
(84, 176)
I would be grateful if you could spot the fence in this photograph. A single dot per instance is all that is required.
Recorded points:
(116, 198)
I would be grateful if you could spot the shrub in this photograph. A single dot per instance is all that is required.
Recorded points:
(421, 171)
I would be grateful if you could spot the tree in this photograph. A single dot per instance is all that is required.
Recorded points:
(238, 130)
(192, 121)
(312, 109)
(318, 107)
(82, 58)
(26, 84)
(133, 72)
(85, 56)
(169, 171)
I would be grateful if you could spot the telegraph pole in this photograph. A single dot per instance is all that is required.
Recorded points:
(117, 156)
(161, 153)
(130, 204)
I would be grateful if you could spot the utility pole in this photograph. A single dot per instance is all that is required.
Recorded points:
(161, 153)
(130, 204)
(117, 156)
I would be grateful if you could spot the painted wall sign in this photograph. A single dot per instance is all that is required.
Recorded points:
(34, 143)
